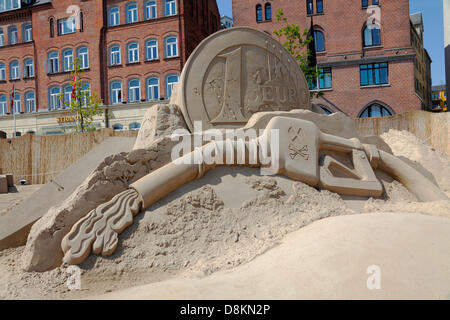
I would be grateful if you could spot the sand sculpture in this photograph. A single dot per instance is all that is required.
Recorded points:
(230, 78)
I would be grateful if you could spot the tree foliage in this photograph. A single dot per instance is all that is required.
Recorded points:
(83, 104)
(296, 42)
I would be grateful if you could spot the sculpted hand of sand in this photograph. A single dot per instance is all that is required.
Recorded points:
(298, 146)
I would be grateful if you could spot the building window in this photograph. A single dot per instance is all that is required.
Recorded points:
(53, 62)
(372, 36)
(2, 72)
(17, 106)
(170, 7)
(134, 90)
(117, 126)
(83, 55)
(14, 70)
(151, 50)
(324, 80)
(134, 126)
(67, 59)
(309, 7)
(153, 89)
(52, 28)
(375, 2)
(3, 104)
(6, 5)
(259, 13)
(116, 92)
(66, 26)
(171, 46)
(319, 41)
(364, 3)
(268, 11)
(114, 55)
(81, 22)
(2, 38)
(319, 6)
(28, 69)
(30, 105)
(376, 110)
(27, 33)
(85, 93)
(114, 16)
(132, 12)
(54, 102)
(133, 52)
(13, 35)
(171, 79)
(150, 10)
(67, 96)
(374, 74)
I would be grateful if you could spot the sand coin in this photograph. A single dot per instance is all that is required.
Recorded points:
(237, 72)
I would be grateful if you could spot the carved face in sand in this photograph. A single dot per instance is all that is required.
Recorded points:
(236, 73)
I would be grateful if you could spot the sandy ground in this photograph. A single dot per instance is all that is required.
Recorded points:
(234, 234)
(15, 196)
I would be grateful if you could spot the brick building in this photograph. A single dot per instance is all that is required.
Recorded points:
(131, 50)
(369, 64)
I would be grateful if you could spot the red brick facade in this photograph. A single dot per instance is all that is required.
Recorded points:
(342, 23)
(192, 22)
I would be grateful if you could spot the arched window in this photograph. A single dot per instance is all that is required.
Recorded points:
(2, 72)
(17, 103)
(170, 8)
(151, 49)
(372, 36)
(171, 79)
(30, 105)
(113, 16)
(114, 55)
(14, 70)
(67, 96)
(85, 93)
(27, 33)
(150, 10)
(3, 104)
(268, 11)
(83, 55)
(153, 89)
(134, 126)
(52, 27)
(116, 92)
(28, 69)
(132, 12)
(117, 126)
(13, 35)
(132, 52)
(376, 110)
(319, 40)
(54, 102)
(2, 38)
(67, 59)
(134, 90)
(53, 62)
(259, 13)
(171, 46)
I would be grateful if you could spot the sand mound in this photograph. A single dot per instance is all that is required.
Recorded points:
(406, 144)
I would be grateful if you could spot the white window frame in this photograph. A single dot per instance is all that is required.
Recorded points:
(150, 8)
(13, 35)
(169, 85)
(14, 70)
(54, 102)
(2, 71)
(17, 105)
(84, 57)
(134, 12)
(67, 60)
(132, 52)
(132, 91)
(67, 94)
(114, 56)
(150, 89)
(170, 7)
(115, 93)
(53, 62)
(28, 68)
(170, 48)
(30, 103)
(2, 37)
(68, 23)
(3, 104)
(114, 16)
(27, 33)
(152, 49)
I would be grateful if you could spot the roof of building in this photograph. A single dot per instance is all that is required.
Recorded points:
(416, 18)
(438, 88)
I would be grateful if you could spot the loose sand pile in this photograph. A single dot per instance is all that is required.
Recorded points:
(198, 232)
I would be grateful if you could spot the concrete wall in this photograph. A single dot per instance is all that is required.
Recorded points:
(38, 159)
(432, 128)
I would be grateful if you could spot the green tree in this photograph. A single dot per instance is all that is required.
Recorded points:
(83, 104)
(296, 42)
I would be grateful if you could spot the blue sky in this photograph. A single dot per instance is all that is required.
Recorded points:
(434, 31)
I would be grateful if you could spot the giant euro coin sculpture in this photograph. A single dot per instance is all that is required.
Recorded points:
(230, 76)
(237, 72)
